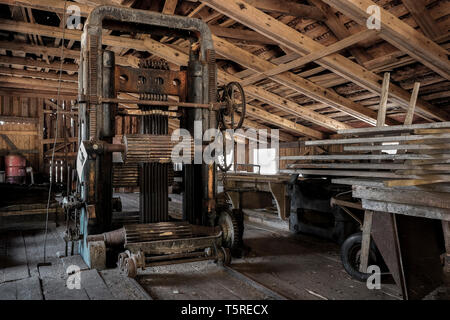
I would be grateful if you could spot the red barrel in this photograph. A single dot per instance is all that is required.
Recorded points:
(15, 169)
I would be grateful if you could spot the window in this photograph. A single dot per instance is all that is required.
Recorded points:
(267, 159)
(390, 147)
(230, 159)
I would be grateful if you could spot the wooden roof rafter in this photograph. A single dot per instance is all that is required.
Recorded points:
(294, 40)
(269, 95)
(137, 44)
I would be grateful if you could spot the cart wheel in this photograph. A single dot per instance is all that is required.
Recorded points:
(351, 257)
(223, 256)
(226, 256)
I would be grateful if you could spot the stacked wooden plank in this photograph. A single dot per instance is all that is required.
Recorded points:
(400, 155)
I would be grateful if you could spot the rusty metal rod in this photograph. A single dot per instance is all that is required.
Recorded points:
(212, 106)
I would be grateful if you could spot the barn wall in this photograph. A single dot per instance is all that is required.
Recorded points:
(19, 121)
(27, 127)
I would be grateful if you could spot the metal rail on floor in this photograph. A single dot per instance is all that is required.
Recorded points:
(258, 286)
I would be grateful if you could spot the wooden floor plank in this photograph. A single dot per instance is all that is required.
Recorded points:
(75, 260)
(29, 289)
(94, 286)
(25, 289)
(14, 264)
(8, 291)
(123, 287)
(56, 289)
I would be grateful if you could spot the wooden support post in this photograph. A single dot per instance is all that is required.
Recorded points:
(446, 229)
(409, 119)
(381, 121)
(40, 136)
(278, 191)
(365, 245)
(412, 105)
(368, 215)
(8, 141)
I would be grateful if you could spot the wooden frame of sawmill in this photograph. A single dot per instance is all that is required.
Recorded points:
(358, 89)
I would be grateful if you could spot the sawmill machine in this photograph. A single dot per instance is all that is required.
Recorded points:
(209, 228)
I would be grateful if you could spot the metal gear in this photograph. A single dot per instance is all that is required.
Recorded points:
(153, 64)
(231, 228)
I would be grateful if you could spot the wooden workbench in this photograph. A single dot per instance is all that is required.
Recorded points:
(241, 185)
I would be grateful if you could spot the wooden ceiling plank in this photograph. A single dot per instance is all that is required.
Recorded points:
(37, 74)
(340, 30)
(334, 48)
(29, 93)
(294, 82)
(239, 34)
(421, 15)
(28, 62)
(181, 58)
(170, 6)
(75, 34)
(290, 8)
(399, 34)
(56, 6)
(38, 50)
(300, 43)
(283, 123)
(284, 104)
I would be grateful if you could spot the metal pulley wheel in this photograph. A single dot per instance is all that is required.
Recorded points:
(234, 98)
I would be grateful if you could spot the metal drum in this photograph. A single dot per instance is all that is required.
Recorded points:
(15, 169)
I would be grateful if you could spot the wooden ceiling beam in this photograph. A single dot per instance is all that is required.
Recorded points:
(283, 123)
(399, 34)
(56, 6)
(28, 62)
(249, 124)
(56, 52)
(339, 29)
(38, 50)
(286, 7)
(36, 83)
(170, 6)
(138, 45)
(284, 104)
(180, 58)
(240, 34)
(37, 74)
(334, 48)
(302, 44)
(44, 93)
(422, 16)
(295, 82)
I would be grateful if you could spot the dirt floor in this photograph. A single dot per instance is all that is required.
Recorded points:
(279, 265)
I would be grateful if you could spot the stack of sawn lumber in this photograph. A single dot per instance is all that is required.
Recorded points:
(407, 155)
